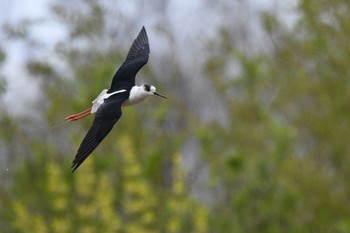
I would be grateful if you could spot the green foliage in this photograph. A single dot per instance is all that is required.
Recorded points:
(284, 160)
(54, 200)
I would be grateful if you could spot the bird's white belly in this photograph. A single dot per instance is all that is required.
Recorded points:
(136, 96)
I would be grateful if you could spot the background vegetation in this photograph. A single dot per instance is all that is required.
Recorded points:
(252, 139)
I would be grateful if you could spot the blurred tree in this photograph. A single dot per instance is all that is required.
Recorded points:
(90, 202)
(284, 160)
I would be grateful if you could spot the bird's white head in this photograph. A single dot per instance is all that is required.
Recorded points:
(150, 90)
(139, 93)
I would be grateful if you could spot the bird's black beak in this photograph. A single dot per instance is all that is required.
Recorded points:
(157, 94)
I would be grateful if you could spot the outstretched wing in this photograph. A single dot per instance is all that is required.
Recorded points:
(106, 116)
(135, 60)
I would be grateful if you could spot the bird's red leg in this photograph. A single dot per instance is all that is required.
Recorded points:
(78, 116)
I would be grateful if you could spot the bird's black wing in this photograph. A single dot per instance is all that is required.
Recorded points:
(135, 60)
(106, 116)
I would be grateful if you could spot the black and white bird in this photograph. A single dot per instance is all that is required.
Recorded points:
(108, 104)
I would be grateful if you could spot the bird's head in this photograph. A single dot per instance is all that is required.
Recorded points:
(151, 90)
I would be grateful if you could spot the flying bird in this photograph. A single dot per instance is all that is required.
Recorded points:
(108, 104)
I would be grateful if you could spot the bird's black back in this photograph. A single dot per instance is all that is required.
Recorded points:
(135, 60)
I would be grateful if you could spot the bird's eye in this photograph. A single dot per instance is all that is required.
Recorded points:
(147, 87)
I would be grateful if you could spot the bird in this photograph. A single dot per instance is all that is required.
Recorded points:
(108, 104)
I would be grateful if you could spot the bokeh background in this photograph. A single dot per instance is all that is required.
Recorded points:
(253, 138)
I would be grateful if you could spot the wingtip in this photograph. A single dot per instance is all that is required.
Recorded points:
(74, 167)
(143, 31)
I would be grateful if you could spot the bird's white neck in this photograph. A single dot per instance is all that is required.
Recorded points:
(137, 95)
